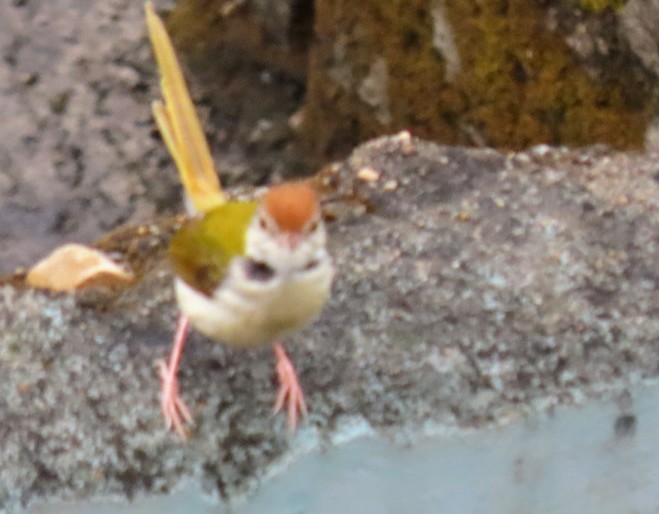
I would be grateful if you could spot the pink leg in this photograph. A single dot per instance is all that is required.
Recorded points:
(174, 410)
(290, 391)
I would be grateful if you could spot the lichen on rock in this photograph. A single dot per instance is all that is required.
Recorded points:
(486, 73)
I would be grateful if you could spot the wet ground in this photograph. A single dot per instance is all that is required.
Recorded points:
(600, 457)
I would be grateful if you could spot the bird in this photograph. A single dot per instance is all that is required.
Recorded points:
(247, 273)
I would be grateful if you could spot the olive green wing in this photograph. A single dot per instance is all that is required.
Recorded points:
(201, 251)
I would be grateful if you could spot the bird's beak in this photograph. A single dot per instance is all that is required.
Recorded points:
(289, 240)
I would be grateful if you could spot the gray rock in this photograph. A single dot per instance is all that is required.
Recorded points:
(473, 287)
(638, 20)
(76, 136)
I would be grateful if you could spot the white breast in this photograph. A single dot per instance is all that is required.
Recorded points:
(246, 312)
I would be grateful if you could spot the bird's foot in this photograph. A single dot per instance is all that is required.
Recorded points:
(174, 410)
(290, 391)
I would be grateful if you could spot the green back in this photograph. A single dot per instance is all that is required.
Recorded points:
(201, 250)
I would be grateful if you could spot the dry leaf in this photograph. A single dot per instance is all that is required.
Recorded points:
(74, 266)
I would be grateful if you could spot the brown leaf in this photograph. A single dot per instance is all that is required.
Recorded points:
(73, 266)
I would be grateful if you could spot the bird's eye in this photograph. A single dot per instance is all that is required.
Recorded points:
(263, 224)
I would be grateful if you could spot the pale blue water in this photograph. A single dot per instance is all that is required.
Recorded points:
(571, 462)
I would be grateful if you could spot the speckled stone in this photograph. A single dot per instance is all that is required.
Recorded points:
(473, 288)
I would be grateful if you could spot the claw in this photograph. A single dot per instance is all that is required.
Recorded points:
(174, 410)
(290, 392)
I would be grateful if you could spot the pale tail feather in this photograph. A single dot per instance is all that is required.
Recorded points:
(178, 123)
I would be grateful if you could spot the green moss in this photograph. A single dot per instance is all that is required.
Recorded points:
(519, 83)
(600, 5)
(201, 30)
(194, 25)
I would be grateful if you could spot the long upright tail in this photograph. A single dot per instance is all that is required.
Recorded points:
(179, 125)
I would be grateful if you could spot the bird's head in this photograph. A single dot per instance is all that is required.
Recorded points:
(287, 232)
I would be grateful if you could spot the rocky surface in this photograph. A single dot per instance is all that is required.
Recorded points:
(473, 288)
(77, 135)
